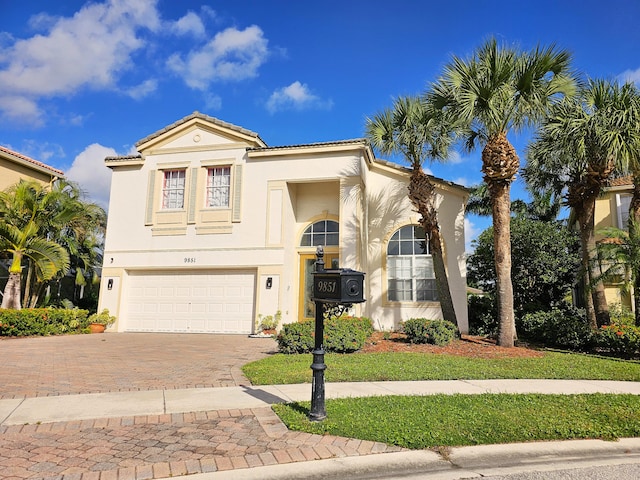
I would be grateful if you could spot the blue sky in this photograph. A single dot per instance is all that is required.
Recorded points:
(82, 80)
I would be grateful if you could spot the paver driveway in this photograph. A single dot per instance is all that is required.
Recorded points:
(112, 362)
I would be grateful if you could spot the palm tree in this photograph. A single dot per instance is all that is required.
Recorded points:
(580, 144)
(38, 224)
(76, 225)
(545, 206)
(498, 90)
(20, 236)
(416, 132)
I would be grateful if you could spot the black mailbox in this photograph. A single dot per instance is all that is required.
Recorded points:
(341, 285)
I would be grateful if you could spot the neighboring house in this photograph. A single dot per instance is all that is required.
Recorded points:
(612, 210)
(15, 167)
(209, 228)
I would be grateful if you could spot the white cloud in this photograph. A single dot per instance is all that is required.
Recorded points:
(142, 90)
(296, 96)
(465, 182)
(89, 50)
(89, 171)
(232, 55)
(212, 102)
(630, 76)
(471, 232)
(190, 24)
(455, 158)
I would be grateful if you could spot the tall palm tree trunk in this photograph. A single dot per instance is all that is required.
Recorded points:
(586, 216)
(500, 163)
(501, 209)
(421, 195)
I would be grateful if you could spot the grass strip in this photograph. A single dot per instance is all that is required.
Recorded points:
(456, 420)
(361, 367)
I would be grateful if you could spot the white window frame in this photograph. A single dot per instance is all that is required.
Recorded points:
(173, 188)
(218, 189)
(623, 201)
(410, 272)
(322, 232)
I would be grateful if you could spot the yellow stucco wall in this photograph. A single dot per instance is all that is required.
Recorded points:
(11, 173)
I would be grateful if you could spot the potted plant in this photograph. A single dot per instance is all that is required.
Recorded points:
(98, 322)
(267, 324)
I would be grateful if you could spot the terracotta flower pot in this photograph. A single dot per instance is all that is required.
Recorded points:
(96, 327)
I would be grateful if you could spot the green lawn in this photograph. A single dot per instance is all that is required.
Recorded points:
(451, 420)
(360, 367)
(455, 420)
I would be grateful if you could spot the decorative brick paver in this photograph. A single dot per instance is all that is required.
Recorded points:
(116, 362)
(141, 448)
(147, 447)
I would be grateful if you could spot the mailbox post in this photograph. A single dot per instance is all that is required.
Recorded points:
(342, 287)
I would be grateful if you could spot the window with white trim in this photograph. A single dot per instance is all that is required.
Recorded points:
(218, 187)
(173, 189)
(324, 232)
(410, 273)
(623, 202)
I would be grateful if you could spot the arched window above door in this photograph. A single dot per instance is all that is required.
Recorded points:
(324, 232)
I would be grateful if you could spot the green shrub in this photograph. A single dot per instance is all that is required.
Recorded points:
(42, 321)
(562, 328)
(435, 332)
(341, 335)
(483, 317)
(619, 338)
(346, 334)
(621, 314)
(296, 337)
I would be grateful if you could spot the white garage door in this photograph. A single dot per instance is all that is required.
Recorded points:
(190, 302)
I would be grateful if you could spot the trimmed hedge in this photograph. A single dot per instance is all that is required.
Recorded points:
(435, 332)
(341, 335)
(42, 321)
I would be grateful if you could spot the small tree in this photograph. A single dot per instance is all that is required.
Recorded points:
(546, 260)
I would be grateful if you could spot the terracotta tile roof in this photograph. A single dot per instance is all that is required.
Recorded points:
(206, 118)
(620, 181)
(123, 158)
(35, 163)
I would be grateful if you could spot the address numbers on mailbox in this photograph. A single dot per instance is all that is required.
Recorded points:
(341, 285)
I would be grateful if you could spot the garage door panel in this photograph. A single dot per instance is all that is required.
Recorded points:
(166, 308)
(215, 302)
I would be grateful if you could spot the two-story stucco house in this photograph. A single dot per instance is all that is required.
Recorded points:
(612, 210)
(209, 228)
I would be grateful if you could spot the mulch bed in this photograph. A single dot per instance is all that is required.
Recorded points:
(467, 346)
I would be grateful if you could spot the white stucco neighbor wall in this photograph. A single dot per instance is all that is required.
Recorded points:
(279, 192)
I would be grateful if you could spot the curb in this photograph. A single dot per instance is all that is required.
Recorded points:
(459, 462)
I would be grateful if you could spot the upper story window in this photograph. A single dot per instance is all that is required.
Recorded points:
(410, 271)
(218, 186)
(623, 202)
(173, 189)
(324, 232)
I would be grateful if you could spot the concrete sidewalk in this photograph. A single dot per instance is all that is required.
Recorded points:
(232, 433)
(66, 408)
